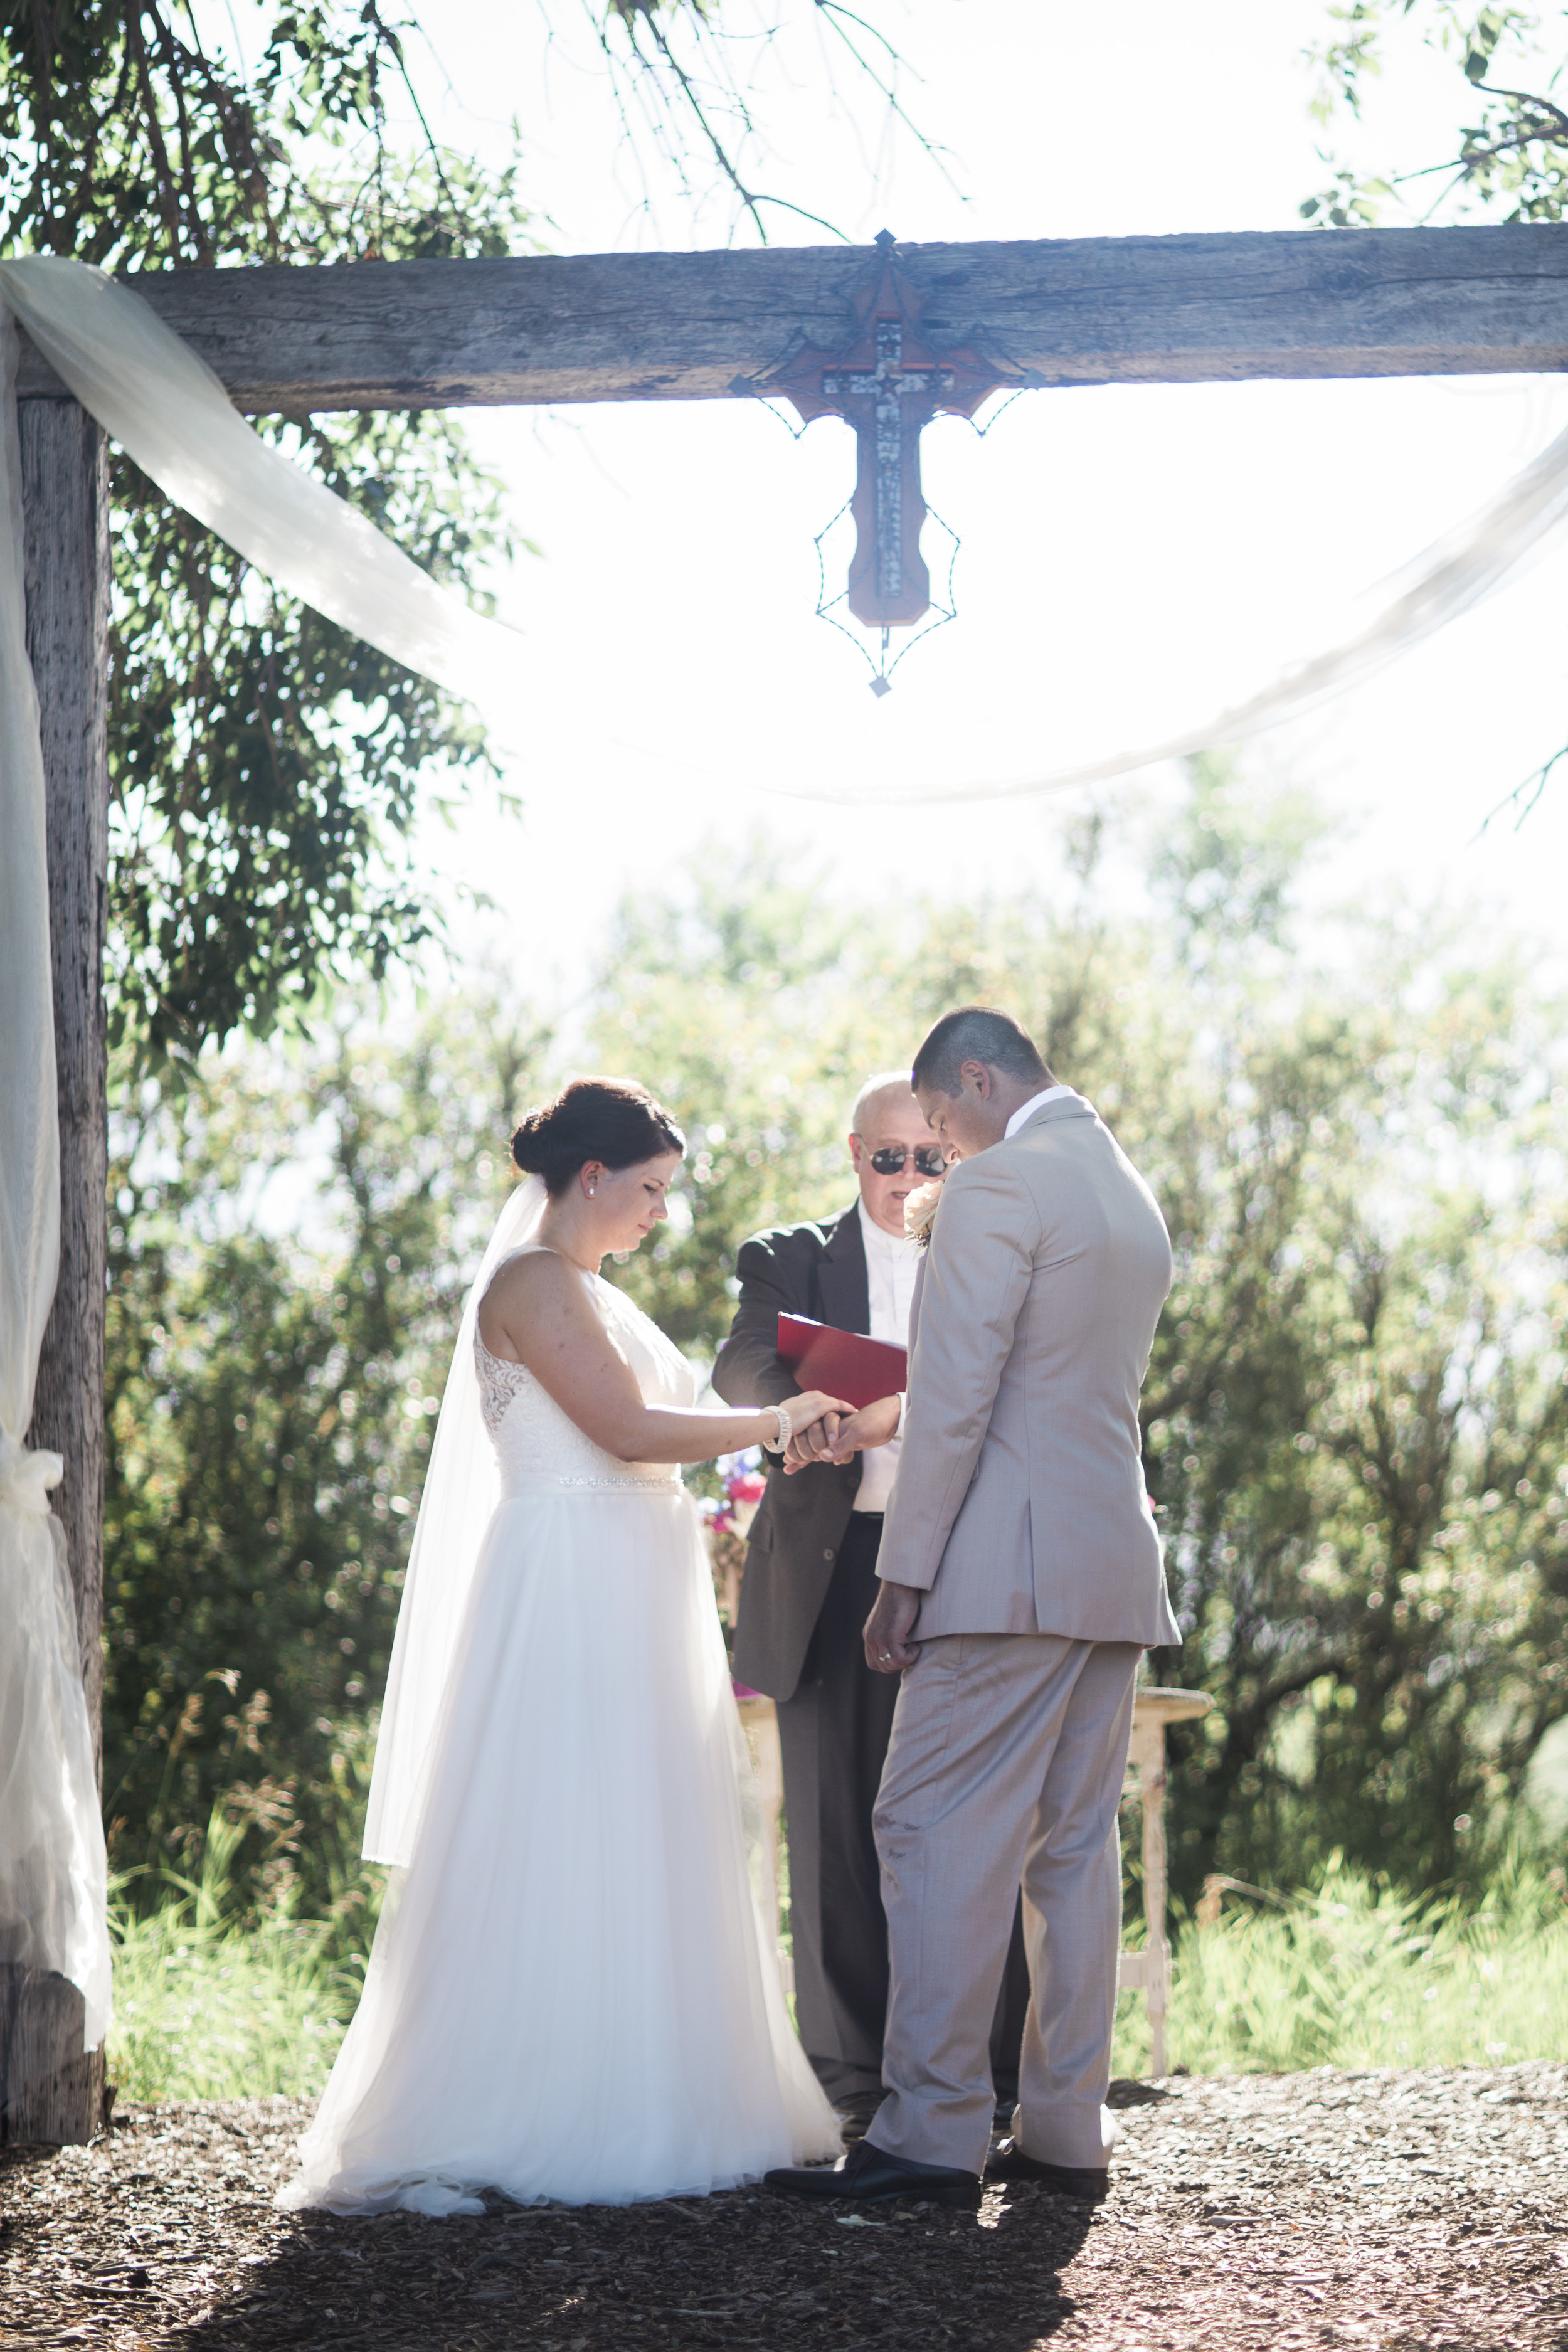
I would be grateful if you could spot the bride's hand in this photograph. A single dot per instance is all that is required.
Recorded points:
(805, 1447)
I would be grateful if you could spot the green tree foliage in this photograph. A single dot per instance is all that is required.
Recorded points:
(1356, 1426)
(262, 762)
(1509, 160)
(264, 765)
(1356, 1420)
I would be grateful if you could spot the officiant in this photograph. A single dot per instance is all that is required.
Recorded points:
(809, 1584)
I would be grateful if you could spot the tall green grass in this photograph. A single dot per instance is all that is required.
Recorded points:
(1354, 1975)
(212, 2006)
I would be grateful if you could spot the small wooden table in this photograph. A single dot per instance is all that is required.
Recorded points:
(1152, 1710)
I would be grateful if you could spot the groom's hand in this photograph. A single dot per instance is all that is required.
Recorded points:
(874, 1425)
(889, 1649)
(811, 1444)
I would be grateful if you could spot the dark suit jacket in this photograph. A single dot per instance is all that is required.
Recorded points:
(818, 1270)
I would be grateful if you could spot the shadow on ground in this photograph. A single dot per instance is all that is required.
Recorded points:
(730, 2270)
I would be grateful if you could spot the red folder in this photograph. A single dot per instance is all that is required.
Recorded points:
(842, 1363)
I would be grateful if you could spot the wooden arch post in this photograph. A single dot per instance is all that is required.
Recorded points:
(49, 2088)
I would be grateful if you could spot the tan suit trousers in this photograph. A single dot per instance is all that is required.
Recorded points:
(1007, 1761)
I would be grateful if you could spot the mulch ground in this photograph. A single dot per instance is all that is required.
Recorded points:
(1387, 2211)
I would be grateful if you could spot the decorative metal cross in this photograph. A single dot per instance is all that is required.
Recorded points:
(900, 588)
(887, 382)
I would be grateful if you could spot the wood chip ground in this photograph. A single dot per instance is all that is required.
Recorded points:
(1387, 2211)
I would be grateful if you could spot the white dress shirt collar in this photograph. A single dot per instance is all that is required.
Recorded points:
(1037, 1102)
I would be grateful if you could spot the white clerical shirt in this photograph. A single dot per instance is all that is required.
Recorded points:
(891, 1264)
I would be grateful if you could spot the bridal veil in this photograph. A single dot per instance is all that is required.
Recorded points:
(461, 1490)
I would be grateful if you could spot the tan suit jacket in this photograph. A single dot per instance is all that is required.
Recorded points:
(1020, 1505)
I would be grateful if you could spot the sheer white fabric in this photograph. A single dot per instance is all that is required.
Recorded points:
(461, 1489)
(1448, 578)
(168, 410)
(571, 1994)
(53, 1873)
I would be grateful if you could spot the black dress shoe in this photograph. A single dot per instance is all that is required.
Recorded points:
(867, 2176)
(1089, 2183)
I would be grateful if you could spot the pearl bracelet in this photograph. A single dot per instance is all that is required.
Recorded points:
(785, 1428)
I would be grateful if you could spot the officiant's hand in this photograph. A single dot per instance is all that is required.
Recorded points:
(889, 1649)
(874, 1425)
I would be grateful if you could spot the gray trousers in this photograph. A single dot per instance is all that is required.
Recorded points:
(1008, 1756)
(834, 1735)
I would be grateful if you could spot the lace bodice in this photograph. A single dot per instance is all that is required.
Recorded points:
(535, 1439)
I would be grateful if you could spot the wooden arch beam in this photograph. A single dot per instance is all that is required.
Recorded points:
(695, 326)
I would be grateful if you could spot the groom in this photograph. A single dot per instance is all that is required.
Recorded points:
(811, 1577)
(1020, 1577)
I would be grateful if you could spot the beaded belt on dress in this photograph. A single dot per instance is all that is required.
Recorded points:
(551, 1482)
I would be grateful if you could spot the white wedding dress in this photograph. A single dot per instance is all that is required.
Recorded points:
(571, 1994)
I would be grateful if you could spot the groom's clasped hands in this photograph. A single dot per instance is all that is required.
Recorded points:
(837, 1436)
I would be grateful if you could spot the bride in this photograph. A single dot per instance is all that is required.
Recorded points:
(571, 1993)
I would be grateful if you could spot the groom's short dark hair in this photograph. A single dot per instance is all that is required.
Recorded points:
(975, 1033)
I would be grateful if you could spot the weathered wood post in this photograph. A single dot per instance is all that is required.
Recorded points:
(50, 2090)
(1152, 1710)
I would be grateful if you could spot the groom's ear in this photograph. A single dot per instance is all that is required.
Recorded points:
(978, 1075)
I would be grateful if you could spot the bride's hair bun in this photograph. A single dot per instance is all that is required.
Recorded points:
(611, 1120)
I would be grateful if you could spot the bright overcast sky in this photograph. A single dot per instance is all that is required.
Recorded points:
(1129, 555)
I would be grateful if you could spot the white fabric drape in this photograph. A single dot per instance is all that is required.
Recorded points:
(53, 1876)
(166, 407)
(1454, 573)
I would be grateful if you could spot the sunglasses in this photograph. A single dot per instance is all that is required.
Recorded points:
(890, 1160)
